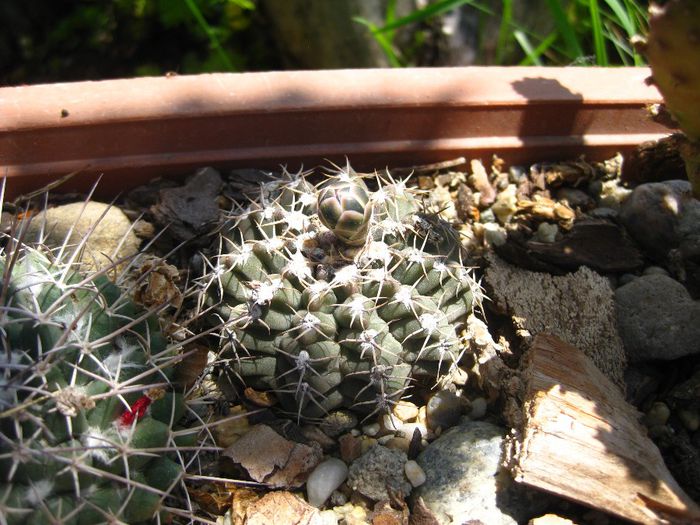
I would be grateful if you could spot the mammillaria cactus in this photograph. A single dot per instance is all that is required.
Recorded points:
(335, 296)
(86, 404)
(672, 48)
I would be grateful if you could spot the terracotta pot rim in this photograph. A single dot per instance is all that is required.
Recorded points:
(130, 129)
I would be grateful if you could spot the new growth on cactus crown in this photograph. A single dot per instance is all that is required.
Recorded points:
(336, 296)
(87, 407)
(672, 48)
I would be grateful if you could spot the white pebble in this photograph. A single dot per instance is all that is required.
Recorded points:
(407, 429)
(325, 478)
(414, 473)
(328, 517)
(391, 422)
(371, 430)
(385, 439)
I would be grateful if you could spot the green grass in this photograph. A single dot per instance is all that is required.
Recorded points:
(583, 32)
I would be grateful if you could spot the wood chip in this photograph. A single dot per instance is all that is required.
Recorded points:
(271, 459)
(282, 507)
(582, 440)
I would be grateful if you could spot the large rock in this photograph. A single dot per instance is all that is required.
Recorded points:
(664, 219)
(657, 319)
(465, 480)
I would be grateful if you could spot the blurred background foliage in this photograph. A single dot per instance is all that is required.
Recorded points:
(63, 40)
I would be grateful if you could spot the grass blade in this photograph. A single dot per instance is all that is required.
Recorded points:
(383, 41)
(504, 31)
(439, 7)
(622, 17)
(532, 56)
(213, 40)
(601, 51)
(565, 29)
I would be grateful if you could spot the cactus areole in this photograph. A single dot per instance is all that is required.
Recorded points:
(337, 296)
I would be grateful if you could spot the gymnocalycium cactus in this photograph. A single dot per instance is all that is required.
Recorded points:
(86, 404)
(336, 296)
(672, 48)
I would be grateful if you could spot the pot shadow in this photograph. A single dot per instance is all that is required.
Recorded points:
(547, 125)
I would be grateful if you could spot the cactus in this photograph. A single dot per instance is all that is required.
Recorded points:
(672, 48)
(87, 408)
(335, 296)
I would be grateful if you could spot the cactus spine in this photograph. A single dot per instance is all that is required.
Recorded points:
(336, 296)
(87, 409)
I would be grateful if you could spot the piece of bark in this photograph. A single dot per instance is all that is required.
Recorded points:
(271, 459)
(598, 244)
(655, 161)
(582, 440)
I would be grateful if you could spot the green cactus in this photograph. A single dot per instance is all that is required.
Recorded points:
(87, 409)
(672, 49)
(337, 296)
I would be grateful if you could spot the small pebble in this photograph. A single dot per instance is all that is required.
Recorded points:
(405, 411)
(494, 234)
(350, 447)
(658, 431)
(385, 439)
(443, 410)
(575, 198)
(337, 499)
(547, 232)
(398, 443)
(506, 204)
(657, 415)
(690, 418)
(414, 473)
(479, 407)
(324, 479)
(314, 433)
(371, 430)
(487, 216)
(351, 514)
(407, 429)
(515, 174)
(654, 270)
(327, 517)
(626, 278)
(367, 443)
(391, 422)
(422, 416)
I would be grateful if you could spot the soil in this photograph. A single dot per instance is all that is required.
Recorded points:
(545, 218)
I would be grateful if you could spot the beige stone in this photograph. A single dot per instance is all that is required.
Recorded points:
(107, 229)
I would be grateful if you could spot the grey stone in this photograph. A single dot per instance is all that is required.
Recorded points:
(657, 319)
(465, 480)
(443, 410)
(663, 216)
(108, 230)
(654, 270)
(378, 468)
